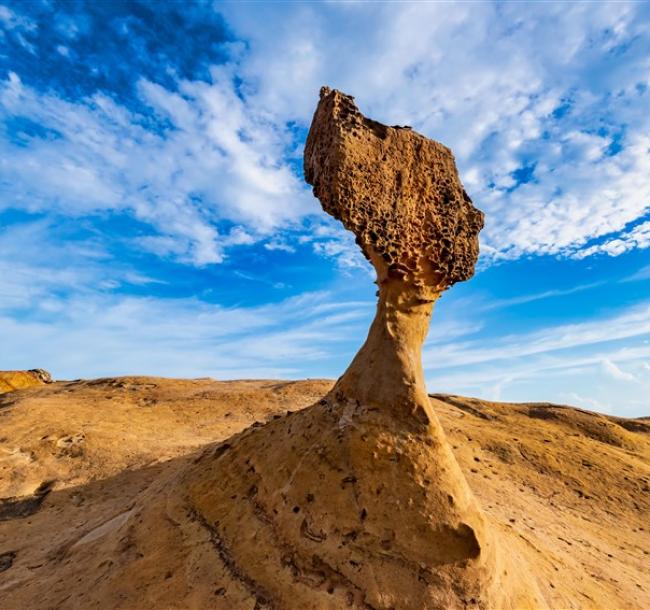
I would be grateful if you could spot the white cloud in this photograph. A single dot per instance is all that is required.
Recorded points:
(481, 78)
(216, 160)
(276, 244)
(484, 80)
(104, 334)
(329, 239)
(638, 237)
(615, 372)
(62, 306)
(631, 323)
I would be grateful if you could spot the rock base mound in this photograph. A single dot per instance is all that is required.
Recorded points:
(336, 506)
(160, 510)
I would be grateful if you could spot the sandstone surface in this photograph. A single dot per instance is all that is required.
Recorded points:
(566, 489)
(397, 191)
(17, 380)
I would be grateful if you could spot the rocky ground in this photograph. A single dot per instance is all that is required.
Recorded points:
(85, 465)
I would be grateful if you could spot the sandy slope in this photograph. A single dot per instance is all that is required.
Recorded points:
(86, 467)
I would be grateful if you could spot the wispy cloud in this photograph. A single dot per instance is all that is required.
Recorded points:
(573, 398)
(112, 334)
(216, 162)
(537, 296)
(640, 274)
(13, 21)
(631, 323)
(553, 363)
(615, 372)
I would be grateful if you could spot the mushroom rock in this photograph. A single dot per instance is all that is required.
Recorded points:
(358, 501)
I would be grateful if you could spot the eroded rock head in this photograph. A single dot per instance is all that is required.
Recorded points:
(396, 190)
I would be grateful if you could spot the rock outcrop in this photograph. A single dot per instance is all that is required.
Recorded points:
(358, 501)
(400, 194)
(18, 380)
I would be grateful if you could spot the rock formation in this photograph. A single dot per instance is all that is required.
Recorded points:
(18, 380)
(358, 501)
(400, 194)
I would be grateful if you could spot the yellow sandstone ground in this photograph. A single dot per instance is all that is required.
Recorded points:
(89, 472)
(17, 380)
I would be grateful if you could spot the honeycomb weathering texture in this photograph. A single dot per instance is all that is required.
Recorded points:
(396, 190)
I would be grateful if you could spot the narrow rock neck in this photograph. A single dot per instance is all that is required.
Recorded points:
(387, 371)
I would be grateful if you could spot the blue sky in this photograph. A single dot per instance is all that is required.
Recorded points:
(154, 218)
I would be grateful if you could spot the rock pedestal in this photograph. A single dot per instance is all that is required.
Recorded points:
(358, 501)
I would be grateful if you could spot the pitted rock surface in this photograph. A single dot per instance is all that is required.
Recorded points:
(396, 190)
